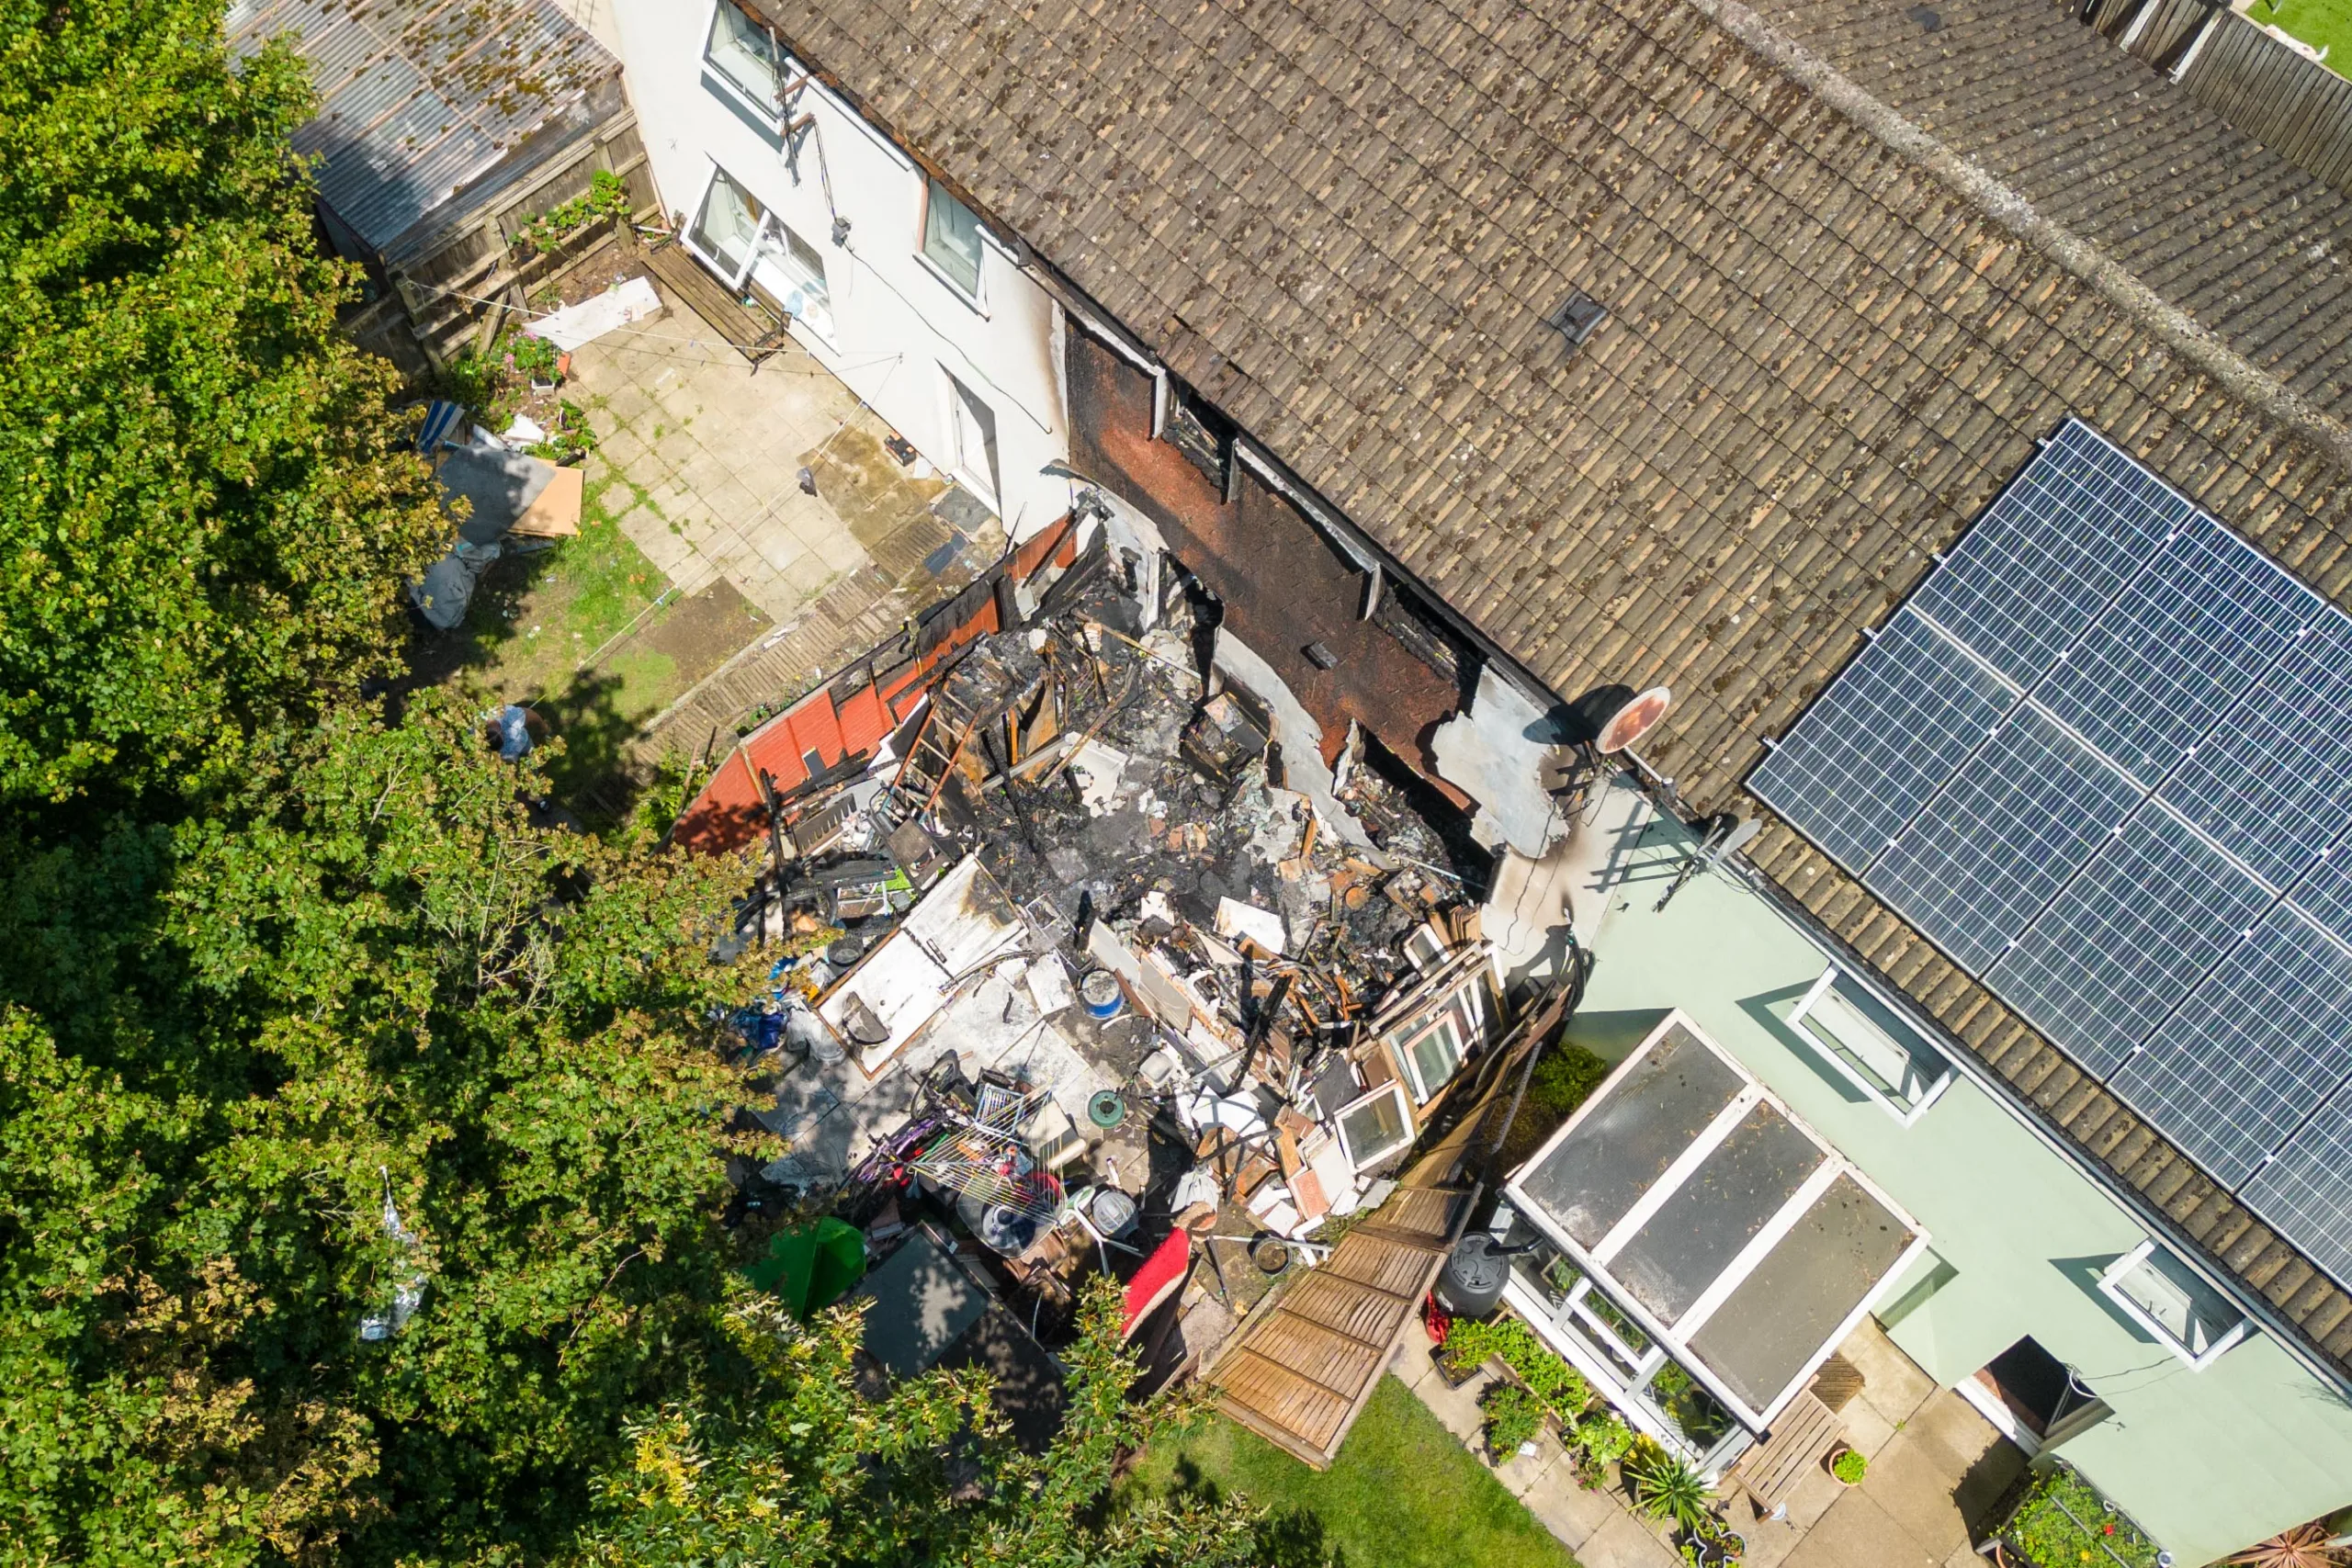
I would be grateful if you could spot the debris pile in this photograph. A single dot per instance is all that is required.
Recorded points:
(1077, 953)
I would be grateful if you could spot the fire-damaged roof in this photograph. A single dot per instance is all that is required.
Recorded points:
(1362, 227)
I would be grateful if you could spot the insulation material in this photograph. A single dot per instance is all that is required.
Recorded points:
(1504, 751)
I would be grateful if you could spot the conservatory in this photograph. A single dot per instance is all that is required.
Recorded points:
(1695, 1249)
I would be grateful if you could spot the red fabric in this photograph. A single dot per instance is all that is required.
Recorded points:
(1162, 1275)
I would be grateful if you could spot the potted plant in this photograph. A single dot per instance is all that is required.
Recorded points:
(1513, 1417)
(1466, 1346)
(1666, 1488)
(1846, 1463)
(1601, 1439)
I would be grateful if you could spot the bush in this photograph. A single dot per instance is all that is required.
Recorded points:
(2063, 1523)
(1603, 1439)
(1513, 1416)
(1560, 1387)
(1850, 1466)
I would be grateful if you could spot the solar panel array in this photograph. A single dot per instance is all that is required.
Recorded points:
(2103, 760)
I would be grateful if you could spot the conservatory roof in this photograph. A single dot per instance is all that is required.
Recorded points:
(1738, 1238)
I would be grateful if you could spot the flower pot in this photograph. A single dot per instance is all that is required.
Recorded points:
(1446, 1367)
(1830, 1464)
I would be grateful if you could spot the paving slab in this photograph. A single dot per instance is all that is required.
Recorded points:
(1625, 1542)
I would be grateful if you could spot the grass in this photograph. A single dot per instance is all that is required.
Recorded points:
(1403, 1493)
(2320, 23)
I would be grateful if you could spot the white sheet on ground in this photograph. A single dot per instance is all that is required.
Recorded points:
(590, 318)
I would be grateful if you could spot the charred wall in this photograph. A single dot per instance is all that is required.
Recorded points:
(1284, 587)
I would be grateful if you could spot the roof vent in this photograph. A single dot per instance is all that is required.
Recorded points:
(1578, 318)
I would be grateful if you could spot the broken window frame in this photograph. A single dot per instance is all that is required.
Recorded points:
(1194, 427)
(1402, 1045)
(1406, 1131)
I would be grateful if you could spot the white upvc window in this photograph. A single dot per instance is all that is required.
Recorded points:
(744, 62)
(1429, 1054)
(738, 238)
(1865, 1042)
(1375, 1126)
(950, 241)
(2165, 1297)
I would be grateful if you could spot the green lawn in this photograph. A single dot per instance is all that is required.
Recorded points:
(1404, 1493)
(2320, 23)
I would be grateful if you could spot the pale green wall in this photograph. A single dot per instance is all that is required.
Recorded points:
(2206, 1461)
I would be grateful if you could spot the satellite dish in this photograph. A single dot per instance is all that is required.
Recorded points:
(1633, 720)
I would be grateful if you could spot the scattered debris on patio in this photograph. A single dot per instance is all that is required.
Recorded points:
(1069, 955)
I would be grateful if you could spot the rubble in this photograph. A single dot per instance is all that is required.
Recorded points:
(1066, 956)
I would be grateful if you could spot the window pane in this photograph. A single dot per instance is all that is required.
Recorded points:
(1434, 1057)
(1373, 1127)
(740, 51)
(2180, 1303)
(794, 271)
(728, 226)
(951, 238)
(1873, 1043)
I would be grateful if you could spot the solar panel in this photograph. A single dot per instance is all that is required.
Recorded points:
(2273, 782)
(2265, 1037)
(1914, 706)
(2116, 950)
(2306, 1190)
(2031, 808)
(2150, 857)
(2190, 635)
(2048, 554)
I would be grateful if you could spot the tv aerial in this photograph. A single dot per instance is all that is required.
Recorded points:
(1724, 835)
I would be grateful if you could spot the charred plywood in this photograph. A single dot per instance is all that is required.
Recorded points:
(1285, 588)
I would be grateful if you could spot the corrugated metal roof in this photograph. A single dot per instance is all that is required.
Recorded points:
(420, 98)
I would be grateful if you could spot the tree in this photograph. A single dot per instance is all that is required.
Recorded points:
(799, 1467)
(378, 974)
(208, 512)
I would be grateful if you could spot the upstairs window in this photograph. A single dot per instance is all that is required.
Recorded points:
(951, 240)
(2166, 1297)
(743, 55)
(1862, 1040)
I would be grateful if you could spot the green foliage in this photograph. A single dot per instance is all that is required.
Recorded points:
(1850, 1467)
(797, 1466)
(605, 198)
(209, 510)
(1697, 1414)
(1560, 1387)
(490, 387)
(570, 439)
(1564, 1076)
(1513, 1416)
(2062, 1522)
(1665, 1487)
(367, 972)
(1603, 1439)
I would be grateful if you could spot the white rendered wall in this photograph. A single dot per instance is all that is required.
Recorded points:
(899, 329)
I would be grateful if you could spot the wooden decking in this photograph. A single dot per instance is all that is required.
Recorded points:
(1299, 1375)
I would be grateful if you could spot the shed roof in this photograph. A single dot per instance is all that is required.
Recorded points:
(1834, 334)
(418, 99)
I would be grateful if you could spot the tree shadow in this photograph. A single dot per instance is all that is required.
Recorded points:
(1288, 1537)
(592, 772)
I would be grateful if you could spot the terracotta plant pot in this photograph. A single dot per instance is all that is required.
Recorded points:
(1830, 1464)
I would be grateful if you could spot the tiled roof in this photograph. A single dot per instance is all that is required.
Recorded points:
(1346, 221)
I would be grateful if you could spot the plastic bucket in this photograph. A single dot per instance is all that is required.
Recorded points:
(1100, 992)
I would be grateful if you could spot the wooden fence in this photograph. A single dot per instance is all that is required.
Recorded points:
(2286, 100)
(458, 290)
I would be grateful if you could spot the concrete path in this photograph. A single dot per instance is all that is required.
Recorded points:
(1936, 1469)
